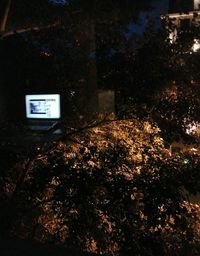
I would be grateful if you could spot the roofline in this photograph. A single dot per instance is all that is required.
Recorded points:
(182, 15)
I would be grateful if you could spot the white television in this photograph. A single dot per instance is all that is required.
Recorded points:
(42, 106)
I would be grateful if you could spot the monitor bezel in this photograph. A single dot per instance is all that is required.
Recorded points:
(45, 96)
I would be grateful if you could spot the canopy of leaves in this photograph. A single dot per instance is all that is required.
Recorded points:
(162, 79)
(109, 190)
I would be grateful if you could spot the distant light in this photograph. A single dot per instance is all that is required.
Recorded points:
(193, 150)
(173, 36)
(192, 128)
(46, 54)
(186, 161)
(196, 45)
(182, 15)
(196, 4)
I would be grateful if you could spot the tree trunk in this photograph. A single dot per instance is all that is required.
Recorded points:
(4, 15)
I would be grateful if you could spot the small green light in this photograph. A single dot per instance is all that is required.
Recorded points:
(186, 161)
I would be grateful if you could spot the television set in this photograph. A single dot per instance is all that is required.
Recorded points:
(42, 106)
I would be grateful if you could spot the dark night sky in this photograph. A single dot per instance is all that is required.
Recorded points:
(161, 7)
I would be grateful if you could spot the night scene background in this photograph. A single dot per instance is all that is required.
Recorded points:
(100, 127)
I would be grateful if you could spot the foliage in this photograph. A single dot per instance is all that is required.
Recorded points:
(112, 189)
(167, 86)
(87, 47)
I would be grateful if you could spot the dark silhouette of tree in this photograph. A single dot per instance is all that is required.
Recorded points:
(23, 15)
(162, 80)
(71, 48)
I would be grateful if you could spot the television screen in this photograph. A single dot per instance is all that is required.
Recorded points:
(43, 106)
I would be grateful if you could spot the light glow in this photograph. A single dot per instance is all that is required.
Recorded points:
(196, 45)
(196, 4)
(193, 128)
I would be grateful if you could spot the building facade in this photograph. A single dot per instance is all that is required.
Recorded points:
(181, 11)
(183, 6)
(184, 16)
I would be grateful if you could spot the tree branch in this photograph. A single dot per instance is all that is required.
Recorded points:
(30, 29)
(5, 16)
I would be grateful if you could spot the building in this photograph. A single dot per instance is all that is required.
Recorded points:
(183, 24)
(183, 6)
(184, 15)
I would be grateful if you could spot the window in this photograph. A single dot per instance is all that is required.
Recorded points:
(196, 4)
(185, 24)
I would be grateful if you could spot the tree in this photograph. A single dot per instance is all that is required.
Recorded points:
(4, 15)
(111, 189)
(180, 100)
(21, 16)
(79, 38)
(166, 87)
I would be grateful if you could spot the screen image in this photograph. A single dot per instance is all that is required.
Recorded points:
(43, 106)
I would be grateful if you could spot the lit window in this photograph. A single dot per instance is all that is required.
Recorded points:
(193, 128)
(196, 4)
(196, 45)
(173, 36)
